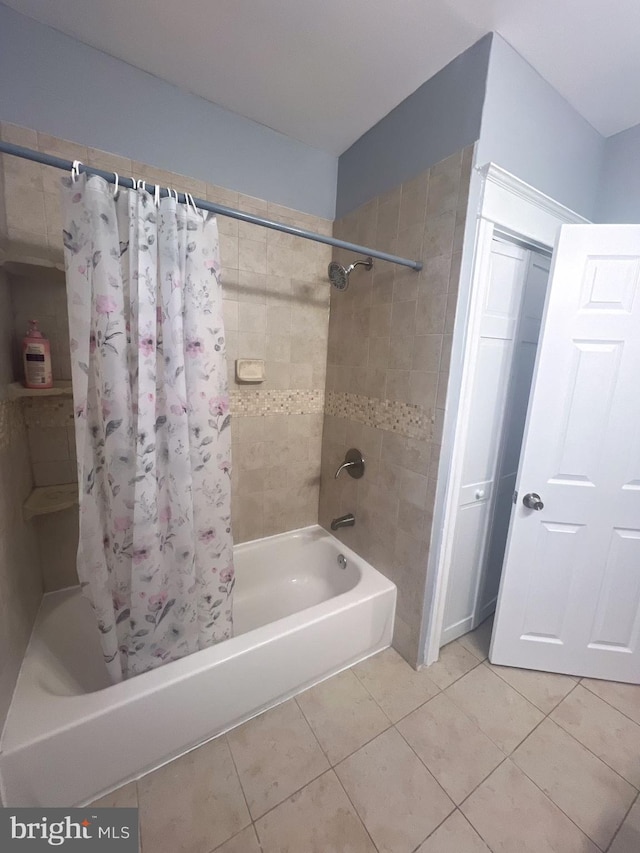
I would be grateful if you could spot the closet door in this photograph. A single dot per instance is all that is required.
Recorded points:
(490, 384)
(522, 364)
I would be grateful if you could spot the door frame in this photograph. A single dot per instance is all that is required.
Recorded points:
(507, 207)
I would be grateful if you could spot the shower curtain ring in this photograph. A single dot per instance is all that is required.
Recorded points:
(116, 188)
(156, 195)
(75, 170)
(190, 200)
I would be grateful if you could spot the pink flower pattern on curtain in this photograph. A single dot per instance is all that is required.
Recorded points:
(151, 401)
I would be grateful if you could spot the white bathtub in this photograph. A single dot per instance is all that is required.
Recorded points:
(299, 617)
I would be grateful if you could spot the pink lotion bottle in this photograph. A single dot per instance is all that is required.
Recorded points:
(36, 356)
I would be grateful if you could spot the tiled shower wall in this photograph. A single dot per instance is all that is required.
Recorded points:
(20, 582)
(276, 300)
(388, 366)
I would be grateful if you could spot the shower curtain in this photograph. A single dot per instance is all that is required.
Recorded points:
(151, 421)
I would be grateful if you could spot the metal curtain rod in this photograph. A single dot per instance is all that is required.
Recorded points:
(67, 165)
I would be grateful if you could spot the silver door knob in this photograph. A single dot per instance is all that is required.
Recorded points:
(532, 501)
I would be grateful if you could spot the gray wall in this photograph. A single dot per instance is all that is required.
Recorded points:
(532, 132)
(619, 198)
(440, 117)
(57, 85)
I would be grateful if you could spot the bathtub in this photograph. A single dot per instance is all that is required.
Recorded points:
(299, 617)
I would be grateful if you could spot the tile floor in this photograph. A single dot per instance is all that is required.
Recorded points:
(463, 757)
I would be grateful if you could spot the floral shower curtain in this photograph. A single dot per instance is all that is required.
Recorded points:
(152, 422)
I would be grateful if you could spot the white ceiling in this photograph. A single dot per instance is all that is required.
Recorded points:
(325, 71)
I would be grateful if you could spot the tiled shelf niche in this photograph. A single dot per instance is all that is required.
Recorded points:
(47, 499)
(62, 388)
(14, 253)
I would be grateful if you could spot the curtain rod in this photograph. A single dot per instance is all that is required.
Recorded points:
(67, 165)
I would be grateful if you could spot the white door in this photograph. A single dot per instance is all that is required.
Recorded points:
(570, 591)
(497, 411)
(523, 359)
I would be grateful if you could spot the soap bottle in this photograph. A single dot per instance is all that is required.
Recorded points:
(36, 356)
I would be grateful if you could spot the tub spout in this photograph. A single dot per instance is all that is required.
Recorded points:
(347, 520)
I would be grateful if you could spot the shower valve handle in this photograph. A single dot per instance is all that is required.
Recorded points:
(353, 464)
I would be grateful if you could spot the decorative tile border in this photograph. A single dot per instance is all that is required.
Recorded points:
(54, 412)
(11, 422)
(403, 418)
(260, 403)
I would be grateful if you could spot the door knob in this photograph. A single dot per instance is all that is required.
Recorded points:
(532, 501)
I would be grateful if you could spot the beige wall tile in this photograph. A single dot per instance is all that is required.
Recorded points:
(406, 283)
(20, 578)
(430, 314)
(57, 538)
(435, 275)
(252, 255)
(24, 207)
(382, 289)
(54, 473)
(438, 234)
(28, 173)
(443, 191)
(109, 162)
(48, 444)
(413, 204)
(221, 195)
(18, 135)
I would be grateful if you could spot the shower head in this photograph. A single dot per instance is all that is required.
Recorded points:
(339, 275)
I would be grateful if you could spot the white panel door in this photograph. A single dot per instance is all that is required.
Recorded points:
(570, 592)
(517, 402)
(490, 384)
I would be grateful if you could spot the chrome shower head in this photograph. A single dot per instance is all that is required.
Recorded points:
(339, 275)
